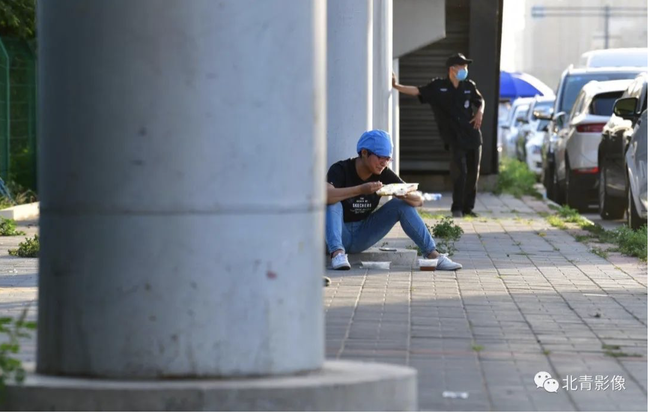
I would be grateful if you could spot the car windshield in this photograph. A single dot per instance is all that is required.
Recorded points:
(573, 84)
(603, 104)
(519, 112)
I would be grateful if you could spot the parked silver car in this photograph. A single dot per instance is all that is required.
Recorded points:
(534, 142)
(530, 123)
(636, 160)
(509, 130)
(612, 182)
(576, 155)
(571, 81)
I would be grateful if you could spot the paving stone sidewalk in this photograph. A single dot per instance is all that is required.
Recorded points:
(530, 298)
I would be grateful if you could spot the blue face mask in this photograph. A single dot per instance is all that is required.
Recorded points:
(462, 74)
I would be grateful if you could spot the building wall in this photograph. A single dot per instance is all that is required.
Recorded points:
(417, 23)
(544, 47)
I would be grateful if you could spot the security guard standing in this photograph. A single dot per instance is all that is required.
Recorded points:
(458, 108)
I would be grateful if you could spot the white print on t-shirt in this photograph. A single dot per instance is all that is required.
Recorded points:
(361, 205)
(466, 104)
(443, 89)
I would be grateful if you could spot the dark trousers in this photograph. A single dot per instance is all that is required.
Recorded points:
(465, 166)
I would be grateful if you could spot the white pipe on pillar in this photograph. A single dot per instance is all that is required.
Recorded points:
(395, 118)
(383, 63)
(182, 187)
(349, 76)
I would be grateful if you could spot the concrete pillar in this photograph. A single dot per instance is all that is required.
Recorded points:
(382, 67)
(182, 183)
(182, 188)
(395, 120)
(349, 76)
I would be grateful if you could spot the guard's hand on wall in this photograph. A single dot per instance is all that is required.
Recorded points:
(394, 80)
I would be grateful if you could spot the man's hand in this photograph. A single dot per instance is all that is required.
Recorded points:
(414, 199)
(394, 80)
(370, 187)
(477, 120)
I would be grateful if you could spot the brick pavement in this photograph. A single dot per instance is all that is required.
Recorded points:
(529, 298)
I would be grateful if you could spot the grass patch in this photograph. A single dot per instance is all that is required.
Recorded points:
(516, 179)
(27, 249)
(8, 227)
(600, 252)
(556, 221)
(428, 215)
(617, 354)
(447, 233)
(630, 242)
(11, 367)
(477, 347)
(21, 195)
(546, 352)
(611, 347)
(411, 247)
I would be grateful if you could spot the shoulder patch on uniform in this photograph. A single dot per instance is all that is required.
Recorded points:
(443, 89)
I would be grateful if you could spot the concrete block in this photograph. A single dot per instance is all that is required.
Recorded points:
(338, 386)
(400, 258)
(21, 212)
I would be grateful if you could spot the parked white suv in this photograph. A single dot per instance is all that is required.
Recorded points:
(576, 157)
(628, 57)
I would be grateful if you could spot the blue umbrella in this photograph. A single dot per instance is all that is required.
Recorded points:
(514, 85)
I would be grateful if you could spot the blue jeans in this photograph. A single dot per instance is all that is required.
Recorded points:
(358, 236)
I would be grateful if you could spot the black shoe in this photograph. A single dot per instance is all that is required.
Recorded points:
(326, 281)
(470, 214)
(457, 214)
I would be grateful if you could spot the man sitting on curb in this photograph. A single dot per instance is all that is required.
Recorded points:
(350, 224)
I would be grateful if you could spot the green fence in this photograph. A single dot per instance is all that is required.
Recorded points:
(18, 112)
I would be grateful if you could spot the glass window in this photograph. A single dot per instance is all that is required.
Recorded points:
(519, 112)
(603, 104)
(577, 107)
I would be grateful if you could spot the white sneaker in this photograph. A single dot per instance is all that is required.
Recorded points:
(340, 262)
(445, 264)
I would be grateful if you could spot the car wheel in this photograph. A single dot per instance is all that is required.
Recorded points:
(634, 221)
(557, 191)
(574, 197)
(547, 180)
(609, 207)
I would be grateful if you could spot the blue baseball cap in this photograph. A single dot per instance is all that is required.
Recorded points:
(376, 141)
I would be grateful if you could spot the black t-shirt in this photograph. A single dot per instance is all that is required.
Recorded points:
(343, 174)
(453, 109)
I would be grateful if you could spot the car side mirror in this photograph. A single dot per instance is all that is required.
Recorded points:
(543, 115)
(560, 119)
(545, 128)
(626, 108)
(522, 119)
